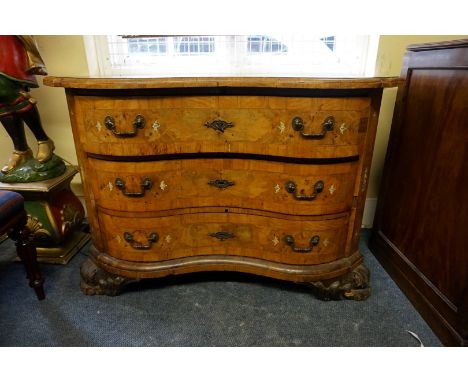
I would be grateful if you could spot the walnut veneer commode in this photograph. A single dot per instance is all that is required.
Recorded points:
(259, 175)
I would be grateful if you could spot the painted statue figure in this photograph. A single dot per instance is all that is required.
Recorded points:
(19, 62)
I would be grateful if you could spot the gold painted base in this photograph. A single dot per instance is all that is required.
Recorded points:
(62, 255)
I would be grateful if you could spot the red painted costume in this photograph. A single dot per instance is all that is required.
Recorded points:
(19, 62)
(14, 62)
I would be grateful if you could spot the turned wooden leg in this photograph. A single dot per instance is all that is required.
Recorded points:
(351, 286)
(28, 255)
(95, 280)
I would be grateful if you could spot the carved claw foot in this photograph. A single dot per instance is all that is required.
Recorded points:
(95, 280)
(351, 286)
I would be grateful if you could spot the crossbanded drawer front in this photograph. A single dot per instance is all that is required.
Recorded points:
(278, 126)
(272, 186)
(288, 241)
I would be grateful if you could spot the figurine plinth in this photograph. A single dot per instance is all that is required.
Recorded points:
(55, 216)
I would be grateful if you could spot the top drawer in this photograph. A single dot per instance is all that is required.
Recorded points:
(263, 125)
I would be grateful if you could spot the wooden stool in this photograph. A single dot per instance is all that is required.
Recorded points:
(13, 221)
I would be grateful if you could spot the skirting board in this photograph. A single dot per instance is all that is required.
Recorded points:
(369, 213)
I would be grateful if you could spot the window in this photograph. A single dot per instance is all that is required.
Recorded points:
(235, 55)
(147, 45)
(264, 44)
(329, 41)
(194, 45)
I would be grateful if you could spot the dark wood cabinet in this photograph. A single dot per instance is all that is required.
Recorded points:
(420, 232)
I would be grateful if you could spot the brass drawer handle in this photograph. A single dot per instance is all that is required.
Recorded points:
(222, 235)
(145, 184)
(289, 240)
(153, 237)
(221, 183)
(219, 125)
(138, 123)
(291, 187)
(327, 125)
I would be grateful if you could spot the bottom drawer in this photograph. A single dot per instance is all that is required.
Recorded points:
(283, 240)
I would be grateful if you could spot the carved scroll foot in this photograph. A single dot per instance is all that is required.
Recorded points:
(95, 280)
(351, 286)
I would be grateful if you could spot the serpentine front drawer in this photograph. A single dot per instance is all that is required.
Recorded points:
(276, 126)
(289, 188)
(285, 240)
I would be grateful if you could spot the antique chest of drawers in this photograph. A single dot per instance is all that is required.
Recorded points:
(259, 175)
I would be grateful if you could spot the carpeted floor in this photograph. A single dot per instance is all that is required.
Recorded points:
(208, 309)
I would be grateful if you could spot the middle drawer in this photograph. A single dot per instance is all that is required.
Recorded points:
(297, 189)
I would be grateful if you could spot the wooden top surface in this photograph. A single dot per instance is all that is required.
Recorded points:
(438, 45)
(208, 82)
